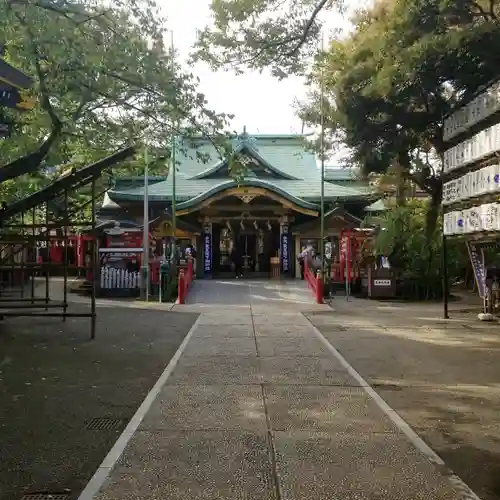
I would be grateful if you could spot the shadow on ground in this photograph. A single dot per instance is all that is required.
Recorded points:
(54, 382)
(442, 378)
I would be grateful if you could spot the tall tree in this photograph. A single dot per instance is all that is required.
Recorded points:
(405, 66)
(255, 34)
(103, 79)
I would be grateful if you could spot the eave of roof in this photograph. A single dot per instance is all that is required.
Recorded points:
(339, 212)
(247, 183)
(72, 181)
(14, 77)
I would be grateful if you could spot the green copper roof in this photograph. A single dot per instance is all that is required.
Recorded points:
(340, 174)
(245, 148)
(297, 175)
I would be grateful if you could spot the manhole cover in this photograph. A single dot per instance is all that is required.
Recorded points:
(45, 496)
(104, 424)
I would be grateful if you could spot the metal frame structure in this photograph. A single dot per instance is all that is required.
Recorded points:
(19, 293)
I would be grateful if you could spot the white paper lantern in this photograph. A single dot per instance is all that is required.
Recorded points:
(496, 137)
(466, 186)
(495, 215)
(460, 188)
(448, 224)
(459, 222)
(447, 193)
(474, 183)
(473, 220)
(481, 181)
(453, 191)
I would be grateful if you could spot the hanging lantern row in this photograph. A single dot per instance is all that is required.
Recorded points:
(255, 225)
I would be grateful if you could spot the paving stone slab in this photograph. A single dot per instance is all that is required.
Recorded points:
(280, 319)
(220, 346)
(355, 466)
(290, 346)
(223, 331)
(289, 330)
(327, 409)
(192, 466)
(220, 370)
(206, 407)
(227, 318)
(304, 371)
(275, 311)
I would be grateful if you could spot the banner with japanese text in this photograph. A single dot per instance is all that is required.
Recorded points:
(207, 252)
(285, 252)
(477, 262)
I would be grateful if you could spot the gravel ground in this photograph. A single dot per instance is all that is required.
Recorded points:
(443, 378)
(54, 381)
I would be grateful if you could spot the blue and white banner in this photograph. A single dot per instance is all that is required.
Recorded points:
(207, 252)
(285, 252)
(477, 262)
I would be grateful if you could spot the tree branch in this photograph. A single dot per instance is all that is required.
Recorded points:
(52, 7)
(45, 101)
(481, 12)
(492, 10)
(29, 162)
(307, 28)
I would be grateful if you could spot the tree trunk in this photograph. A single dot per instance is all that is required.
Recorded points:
(400, 183)
(433, 211)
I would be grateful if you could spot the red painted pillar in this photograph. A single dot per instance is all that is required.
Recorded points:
(319, 289)
(349, 256)
(181, 287)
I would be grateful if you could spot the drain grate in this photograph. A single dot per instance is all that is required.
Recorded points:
(104, 424)
(45, 496)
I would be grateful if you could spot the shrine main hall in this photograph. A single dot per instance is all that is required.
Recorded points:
(269, 213)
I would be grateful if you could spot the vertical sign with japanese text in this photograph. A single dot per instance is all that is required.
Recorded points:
(478, 266)
(285, 249)
(207, 249)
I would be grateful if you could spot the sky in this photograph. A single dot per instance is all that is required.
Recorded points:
(260, 102)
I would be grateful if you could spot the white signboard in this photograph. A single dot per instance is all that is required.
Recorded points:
(381, 282)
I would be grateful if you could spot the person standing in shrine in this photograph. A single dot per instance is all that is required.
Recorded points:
(305, 255)
(237, 262)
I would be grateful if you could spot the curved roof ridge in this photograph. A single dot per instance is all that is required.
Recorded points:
(244, 145)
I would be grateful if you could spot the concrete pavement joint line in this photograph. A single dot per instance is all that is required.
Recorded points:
(270, 438)
(102, 473)
(272, 449)
(254, 334)
(402, 425)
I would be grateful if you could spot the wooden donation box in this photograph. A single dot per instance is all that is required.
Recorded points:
(381, 283)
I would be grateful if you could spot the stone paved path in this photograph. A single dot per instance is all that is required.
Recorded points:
(259, 408)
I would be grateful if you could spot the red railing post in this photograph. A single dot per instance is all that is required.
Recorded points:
(315, 283)
(181, 287)
(319, 288)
